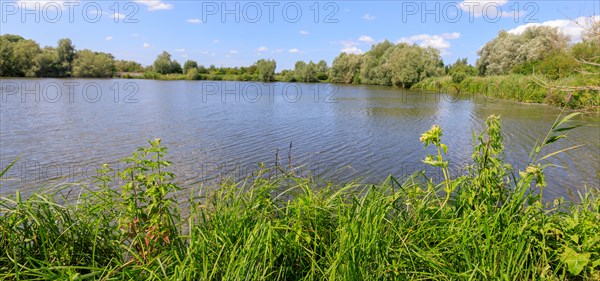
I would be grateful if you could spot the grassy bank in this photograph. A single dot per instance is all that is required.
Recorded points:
(204, 76)
(522, 88)
(489, 224)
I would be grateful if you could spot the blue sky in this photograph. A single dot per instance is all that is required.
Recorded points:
(237, 33)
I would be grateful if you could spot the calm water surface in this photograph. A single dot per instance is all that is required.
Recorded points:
(224, 129)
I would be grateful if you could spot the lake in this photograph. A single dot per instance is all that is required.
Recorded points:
(63, 129)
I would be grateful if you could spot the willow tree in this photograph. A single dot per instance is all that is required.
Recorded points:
(371, 69)
(508, 50)
(409, 64)
(266, 70)
(346, 68)
(93, 64)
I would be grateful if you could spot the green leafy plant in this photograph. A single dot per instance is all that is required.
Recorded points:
(149, 218)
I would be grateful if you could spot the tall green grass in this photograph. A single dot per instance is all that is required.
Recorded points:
(488, 224)
(522, 88)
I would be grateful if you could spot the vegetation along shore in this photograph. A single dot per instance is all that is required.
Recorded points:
(488, 224)
(540, 65)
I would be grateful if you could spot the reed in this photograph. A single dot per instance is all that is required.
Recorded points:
(522, 88)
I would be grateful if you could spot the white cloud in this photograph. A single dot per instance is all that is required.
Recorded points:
(453, 35)
(304, 32)
(279, 51)
(368, 17)
(155, 5)
(349, 46)
(180, 50)
(118, 16)
(216, 41)
(478, 7)
(262, 49)
(437, 41)
(146, 45)
(193, 21)
(572, 28)
(352, 50)
(233, 51)
(135, 35)
(108, 38)
(294, 51)
(185, 56)
(366, 39)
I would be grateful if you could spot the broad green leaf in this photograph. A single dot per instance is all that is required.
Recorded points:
(575, 262)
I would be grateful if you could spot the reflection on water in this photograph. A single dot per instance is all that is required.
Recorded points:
(217, 129)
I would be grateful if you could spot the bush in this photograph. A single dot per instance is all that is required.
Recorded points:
(458, 77)
(192, 74)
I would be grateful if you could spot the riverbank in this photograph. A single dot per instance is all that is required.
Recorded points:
(205, 76)
(523, 88)
(489, 224)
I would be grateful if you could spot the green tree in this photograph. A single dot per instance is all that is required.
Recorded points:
(192, 74)
(202, 69)
(176, 67)
(322, 70)
(345, 68)
(309, 73)
(189, 64)
(252, 69)
(371, 70)
(93, 64)
(25, 52)
(266, 70)
(7, 55)
(47, 63)
(17, 56)
(508, 50)
(163, 64)
(66, 56)
(557, 66)
(299, 71)
(409, 64)
(460, 70)
(288, 75)
(128, 66)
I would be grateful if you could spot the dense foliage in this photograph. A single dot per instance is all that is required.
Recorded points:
(93, 64)
(539, 55)
(507, 50)
(488, 224)
(401, 65)
(164, 65)
(24, 58)
(266, 70)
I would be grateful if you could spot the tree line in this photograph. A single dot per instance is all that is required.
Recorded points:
(537, 49)
(20, 57)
